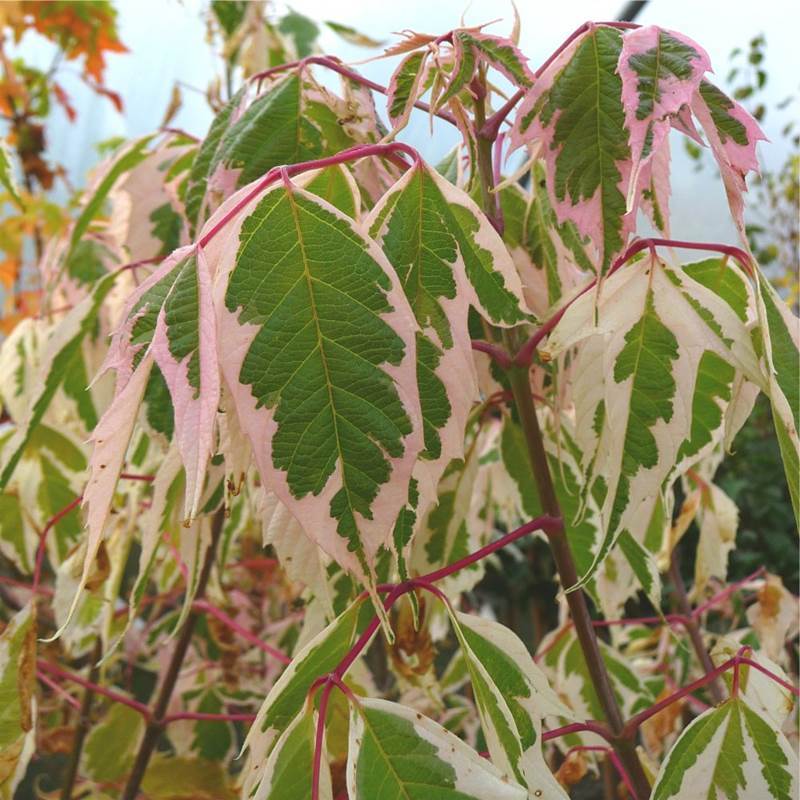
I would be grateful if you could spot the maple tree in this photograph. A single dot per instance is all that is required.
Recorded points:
(296, 334)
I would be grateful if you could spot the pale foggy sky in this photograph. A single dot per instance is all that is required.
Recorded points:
(167, 43)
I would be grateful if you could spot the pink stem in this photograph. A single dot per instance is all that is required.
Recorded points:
(52, 522)
(761, 668)
(27, 586)
(578, 727)
(544, 523)
(209, 608)
(725, 249)
(491, 127)
(578, 32)
(203, 717)
(726, 593)
(368, 632)
(40, 550)
(622, 772)
(319, 740)
(135, 264)
(184, 570)
(635, 722)
(494, 352)
(334, 65)
(254, 563)
(59, 690)
(343, 688)
(351, 154)
(497, 160)
(179, 132)
(525, 354)
(46, 666)
(129, 476)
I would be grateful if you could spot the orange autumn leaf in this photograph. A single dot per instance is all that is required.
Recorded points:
(63, 100)
(572, 770)
(9, 269)
(85, 29)
(657, 729)
(18, 306)
(114, 97)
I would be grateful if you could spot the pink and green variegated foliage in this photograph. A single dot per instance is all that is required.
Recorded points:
(292, 390)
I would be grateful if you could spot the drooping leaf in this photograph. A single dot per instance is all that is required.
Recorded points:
(143, 212)
(288, 771)
(184, 347)
(201, 166)
(61, 353)
(718, 519)
(637, 395)
(564, 663)
(551, 257)
(774, 616)
(660, 71)
(352, 36)
(170, 317)
(729, 751)
(129, 157)
(174, 778)
(111, 744)
(395, 752)
(405, 87)
(299, 556)
(17, 684)
(322, 370)
(732, 135)
(444, 534)
(780, 331)
(447, 257)
(110, 439)
(472, 48)
(502, 54)
(575, 110)
(512, 696)
(288, 695)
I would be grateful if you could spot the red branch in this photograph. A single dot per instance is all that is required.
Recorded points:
(351, 154)
(319, 739)
(579, 31)
(46, 666)
(210, 608)
(51, 523)
(327, 682)
(334, 65)
(578, 727)
(633, 724)
(494, 352)
(490, 128)
(726, 593)
(59, 690)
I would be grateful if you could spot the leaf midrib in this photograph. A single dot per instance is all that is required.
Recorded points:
(320, 338)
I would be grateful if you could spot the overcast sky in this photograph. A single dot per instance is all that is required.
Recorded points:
(167, 43)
